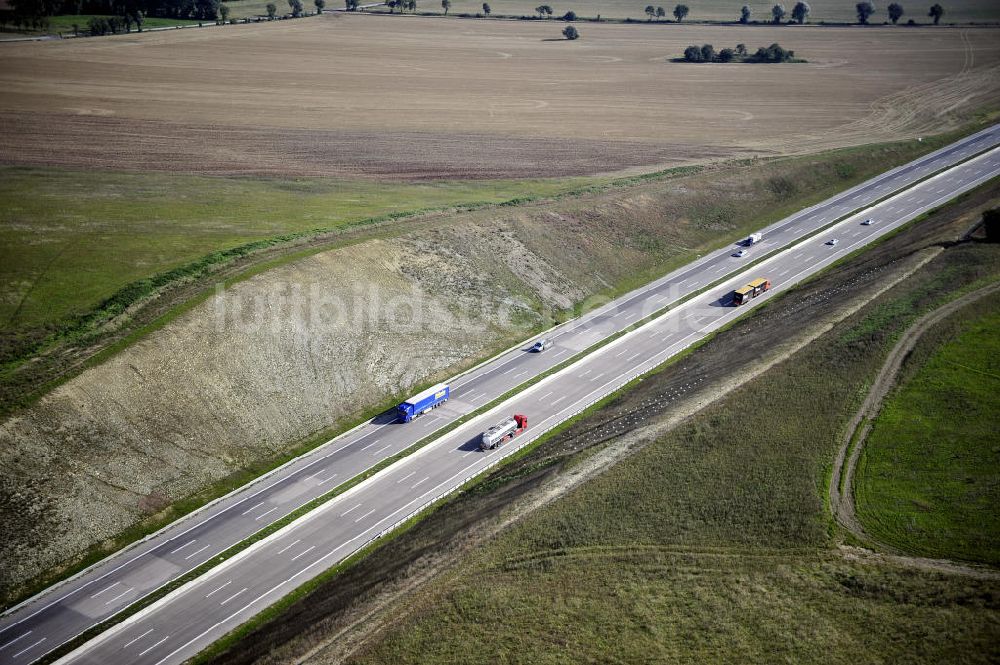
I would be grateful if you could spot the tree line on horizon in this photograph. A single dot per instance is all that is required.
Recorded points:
(122, 15)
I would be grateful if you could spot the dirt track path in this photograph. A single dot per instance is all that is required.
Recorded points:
(842, 504)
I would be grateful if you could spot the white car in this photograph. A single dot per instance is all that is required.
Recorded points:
(542, 344)
(868, 222)
(832, 241)
(740, 252)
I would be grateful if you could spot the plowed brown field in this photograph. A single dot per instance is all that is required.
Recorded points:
(422, 97)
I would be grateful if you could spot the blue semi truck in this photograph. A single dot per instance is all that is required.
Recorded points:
(423, 402)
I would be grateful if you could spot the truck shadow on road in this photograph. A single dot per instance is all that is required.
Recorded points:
(471, 444)
(724, 301)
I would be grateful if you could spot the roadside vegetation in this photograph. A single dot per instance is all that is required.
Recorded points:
(598, 242)
(711, 541)
(927, 477)
(715, 539)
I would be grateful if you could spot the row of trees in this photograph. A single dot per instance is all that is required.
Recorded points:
(864, 11)
(707, 53)
(800, 12)
(122, 15)
(117, 16)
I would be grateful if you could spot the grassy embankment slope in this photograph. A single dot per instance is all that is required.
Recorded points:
(79, 249)
(70, 238)
(927, 481)
(714, 543)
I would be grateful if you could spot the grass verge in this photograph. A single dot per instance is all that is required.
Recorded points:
(711, 543)
(927, 478)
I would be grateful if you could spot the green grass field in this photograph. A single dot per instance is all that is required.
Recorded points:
(927, 480)
(714, 544)
(63, 24)
(71, 238)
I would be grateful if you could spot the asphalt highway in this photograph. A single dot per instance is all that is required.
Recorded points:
(181, 624)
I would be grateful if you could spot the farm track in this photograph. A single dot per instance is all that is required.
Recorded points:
(842, 504)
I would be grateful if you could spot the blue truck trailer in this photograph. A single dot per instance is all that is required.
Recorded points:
(423, 402)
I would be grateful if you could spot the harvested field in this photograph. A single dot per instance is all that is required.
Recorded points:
(473, 99)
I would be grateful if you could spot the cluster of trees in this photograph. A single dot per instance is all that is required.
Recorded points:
(402, 5)
(707, 53)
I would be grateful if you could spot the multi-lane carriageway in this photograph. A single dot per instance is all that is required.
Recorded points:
(188, 619)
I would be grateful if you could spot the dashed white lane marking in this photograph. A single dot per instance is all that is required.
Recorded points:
(556, 401)
(197, 552)
(109, 588)
(304, 552)
(233, 596)
(136, 639)
(545, 395)
(252, 508)
(349, 510)
(622, 352)
(467, 454)
(123, 593)
(18, 639)
(211, 593)
(371, 444)
(364, 516)
(382, 449)
(29, 648)
(633, 357)
(561, 351)
(409, 475)
(286, 548)
(190, 542)
(326, 480)
(422, 480)
(263, 515)
(783, 273)
(147, 650)
(595, 378)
